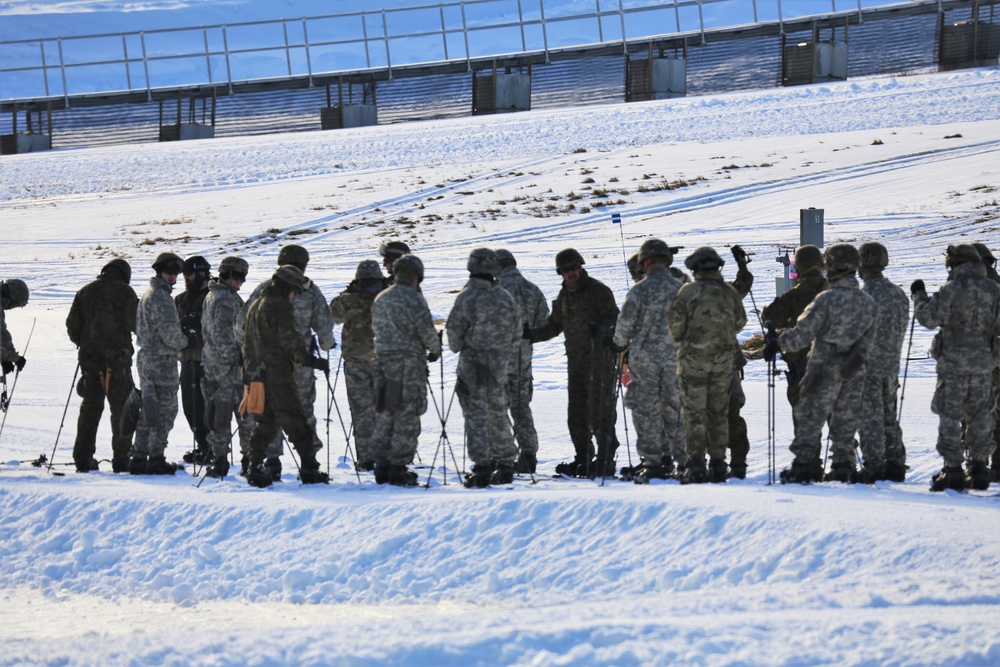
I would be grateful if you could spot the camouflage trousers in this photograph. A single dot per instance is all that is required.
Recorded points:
(591, 409)
(828, 398)
(705, 411)
(359, 379)
(968, 398)
(487, 431)
(304, 380)
(283, 411)
(653, 396)
(996, 421)
(739, 441)
(401, 398)
(879, 433)
(158, 379)
(520, 389)
(222, 387)
(91, 389)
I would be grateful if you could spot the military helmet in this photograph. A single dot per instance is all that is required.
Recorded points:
(984, 253)
(807, 257)
(655, 248)
(483, 260)
(291, 277)
(119, 266)
(874, 255)
(408, 267)
(961, 253)
(368, 269)
(634, 267)
(196, 263)
(841, 258)
(295, 255)
(567, 258)
(704, 258)
(393, 249)
(506, 257)
(233, 264)
(169, 262)
(15, 291)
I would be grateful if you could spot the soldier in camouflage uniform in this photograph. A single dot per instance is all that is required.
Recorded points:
(272, 351)
(222, 365)
(14, 295)
(967, 308)
(739, 441)
(635, 268)
(704, 320)
(197, 272)
(353, 309)
(652, 393)
(483, 327)
(405, 340)
(312, 315)
(585, 311)
(161, 339)
(390, 252)
(881, 437)
(101, 322)
(533, 310)
(990, 262)
(836, 328)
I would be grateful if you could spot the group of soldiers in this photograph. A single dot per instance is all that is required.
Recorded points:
(673, 345)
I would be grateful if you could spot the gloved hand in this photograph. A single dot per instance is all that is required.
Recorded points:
(740, 255)
(608, 337)
(191, 321)
(917, 286)
(771, 346)
(320, 364)
(193, 340)
(433, 356)
(526, 332)
(20, 362)
(8, 367)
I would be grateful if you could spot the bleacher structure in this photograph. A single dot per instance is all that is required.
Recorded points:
(897, 38)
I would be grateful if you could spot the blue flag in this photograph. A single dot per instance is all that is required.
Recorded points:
(616, 219)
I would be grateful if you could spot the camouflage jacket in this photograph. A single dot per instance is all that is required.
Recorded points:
(532, 307)
(7, 350)
(642, 323)
(784, 311)
(157, 326)
(574, 311)
(402, 323)
(272, 346)
(483, 325)
(312, 313)
(101, 322)
(967, 308)
(833, 323)
(892, 314)
(353, 309)
(189, 307)
(217, 318)
(704, 320)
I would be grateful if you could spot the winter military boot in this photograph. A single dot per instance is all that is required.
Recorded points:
(119, 464)
(842, 471)
(244, 465)
(401, 476)
(273, 465)
(526, 463)
(871, 472)
(86, 464)
(718, 471)
(480, 476)
(137, 465)
(504, 474)
(218, 468)
(381, 472)
(950, 477)
(158, 465)
(572, 468)
(309, 472)
(647, 471)
(365, 465)
(895, 471)
(259, 476)
(980, 475)
(696, 473)
(602, 466)
(802, 473)
(738, 471)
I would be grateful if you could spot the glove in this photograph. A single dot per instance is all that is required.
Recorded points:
(190, 321)
(526, 332)
(608, 337)
(917, 286)
(771, 347)
(320, 364)
(433, 356)
(192, 340)
(740, 255)
(20, 362)
(8, 367)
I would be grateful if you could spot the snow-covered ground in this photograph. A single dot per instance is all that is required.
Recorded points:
(106, 569)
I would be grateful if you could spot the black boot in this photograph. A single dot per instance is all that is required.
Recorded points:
(718, 471)
(696, 473)
(646, 471)
(602, 466)
(259, 476)
(802, 473)
(480, 476)
(273, 465)
(504, 474)
(738, 471)
(158, 465)
(218, 468)
(526, 463)
(950, 477)
(980, 475)
(366, 465)
(382, 472)
(137, 465)
(119, 464)
(86, 464)
(401, 476)
(573, 468)
(842, 471)
(895, 471)
(310, 473)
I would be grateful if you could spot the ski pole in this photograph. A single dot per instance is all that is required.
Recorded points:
(63, 422)
(906, 368)
(9, 397)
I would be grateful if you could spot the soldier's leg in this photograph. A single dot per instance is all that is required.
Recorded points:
(218, 395)
(305, 384)
(503, 451)
(739, 441)
(605, 408)
(872, 423)
(647, 417)
(406, 429)
(360, 384)
(519, 393)
(979, 417)
(895, 450)
(119, 387)
(477, 423)
(91, 391)
(194, 402)
(948, 403)
(844, 418)
(718, 391)
(996, 425)
(694, 408)
(578, 417)
(811, 413)
(673, 422)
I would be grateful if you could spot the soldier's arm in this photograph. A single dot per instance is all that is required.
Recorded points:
(779, 311)
(456, 326)
(131, 308)
(540, 313)
(553, 325)
(339, 308)
(425, 326)
(677, 319)
(607, 307)
(743, 282)
(741, 313)
(808, 326)
(931, 311)
(7, 347)
(627, 320)
(74, 322)
(168, 326)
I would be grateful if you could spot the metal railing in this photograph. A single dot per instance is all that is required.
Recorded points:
(351, 43)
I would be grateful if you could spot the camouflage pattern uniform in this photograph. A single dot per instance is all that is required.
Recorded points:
(101, 322)
(582, 314)
(989, 261)
(880, 435)
(353, 309)
(312, 314)
(704, 320)
(838, 322)
(483, 327)
(652, 394)
(160, 338)
(967, 308)
(189, 309)
(533, 310)
(222, 381)
(8, 353)
(404, 335)
(739, 440)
